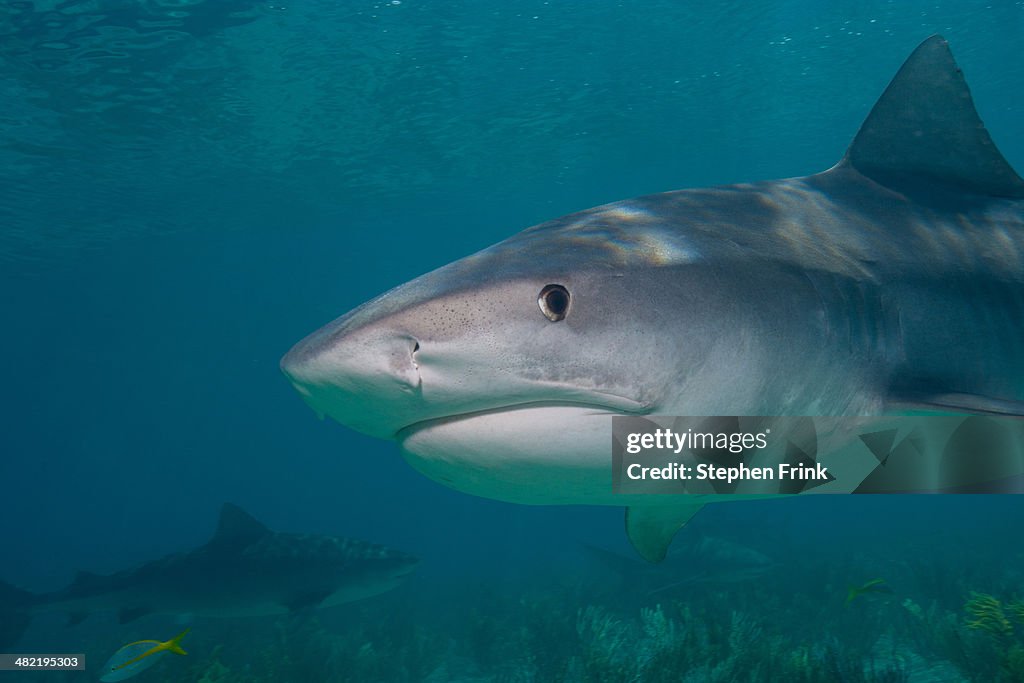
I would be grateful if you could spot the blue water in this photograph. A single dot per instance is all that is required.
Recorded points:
(187, 188)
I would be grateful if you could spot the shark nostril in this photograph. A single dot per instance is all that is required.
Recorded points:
(415, 350)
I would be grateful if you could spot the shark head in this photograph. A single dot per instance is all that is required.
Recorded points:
(509, 341)
(508, 328)
(498, 331)
(485, 368)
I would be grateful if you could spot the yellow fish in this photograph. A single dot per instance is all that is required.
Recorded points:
(136, 657)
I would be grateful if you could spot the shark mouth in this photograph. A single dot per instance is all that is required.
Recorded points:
(614, 405)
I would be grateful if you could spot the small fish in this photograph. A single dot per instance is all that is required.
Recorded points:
(136, 657)
(872, 586)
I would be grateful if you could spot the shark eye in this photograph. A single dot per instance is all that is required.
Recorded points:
(554, 302)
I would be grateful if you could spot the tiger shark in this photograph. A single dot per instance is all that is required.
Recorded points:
(892, 281)
(245, 570)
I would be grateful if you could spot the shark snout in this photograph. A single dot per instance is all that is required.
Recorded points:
(367, 379)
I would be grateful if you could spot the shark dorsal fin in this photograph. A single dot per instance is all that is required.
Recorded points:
(925, 127)
(237, 526)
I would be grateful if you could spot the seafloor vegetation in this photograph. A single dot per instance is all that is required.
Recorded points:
(705, 633)
(923, 615)
(547, 637)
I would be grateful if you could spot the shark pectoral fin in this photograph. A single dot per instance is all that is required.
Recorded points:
(306, 600)
(925, 126)
(76, 618)
(956, 403)
(129, 614)
(651, 528)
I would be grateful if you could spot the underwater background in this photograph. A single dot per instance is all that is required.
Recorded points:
(189, 187)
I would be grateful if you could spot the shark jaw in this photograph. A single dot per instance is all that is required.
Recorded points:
(506, 454)
(411, 412)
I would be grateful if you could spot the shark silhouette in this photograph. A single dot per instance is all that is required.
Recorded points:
(244, 570)
(891, 283)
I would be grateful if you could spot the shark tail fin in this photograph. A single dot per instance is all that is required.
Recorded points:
(14, 616)
(174, 644)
